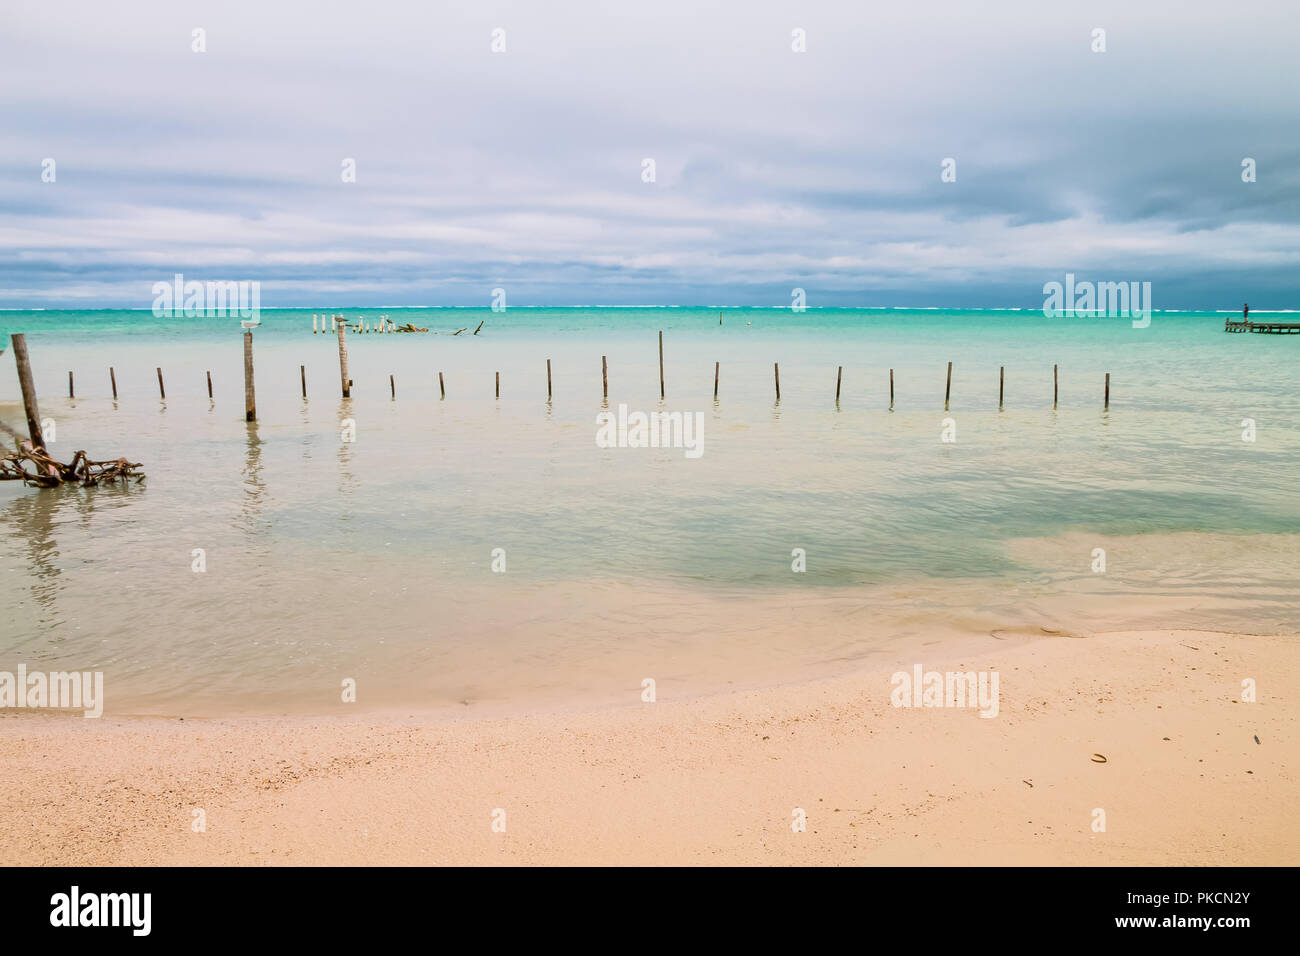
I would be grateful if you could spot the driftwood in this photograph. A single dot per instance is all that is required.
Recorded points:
(458, 331)
(48, 473)
(480, 325)
(408, 327)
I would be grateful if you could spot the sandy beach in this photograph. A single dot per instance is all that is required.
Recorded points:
(711, 780)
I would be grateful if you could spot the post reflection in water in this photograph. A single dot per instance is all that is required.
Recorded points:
(347, 434)
(250, 512)
(32, 518)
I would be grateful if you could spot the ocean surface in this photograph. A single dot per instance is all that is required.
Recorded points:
(371, 560)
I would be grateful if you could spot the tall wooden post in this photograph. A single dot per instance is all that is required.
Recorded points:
(1107, 405)
(1055, 384)
(1002, 381)
(838, 375)
(891, 388)
(776, 373)
(112, 380)
(250, 400)
(947, 389)
(70, 394)
(548, 380)
(661, 365)
(498, 395)
(716, 367)
(209, 385)
(604, 377)
(25, 382)
(392, 387)
(343, 359)
(162, 392)
(302, 370)
(442, 389)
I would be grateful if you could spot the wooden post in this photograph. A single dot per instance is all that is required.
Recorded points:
(716, 367)
(776, 372)
(250, 400)
(548, 380)
(313, 323)
(1107, 405)
(661, 365)
(838, 375)
(112, 380)
(442, 391)
(70, 394)
(604, 377)
(209, 385)
(162, 392)
(1055, 384)
(343, 359)
(34, 432)
(947, 390)
(498, 385)
(302, 370)
(891, 388)
(1002, 381)
(392, 386)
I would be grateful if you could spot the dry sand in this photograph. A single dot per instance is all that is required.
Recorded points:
(713, 779)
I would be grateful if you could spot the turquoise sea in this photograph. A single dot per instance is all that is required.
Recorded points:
(373, 559)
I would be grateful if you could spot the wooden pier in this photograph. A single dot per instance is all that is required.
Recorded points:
(1267, 328)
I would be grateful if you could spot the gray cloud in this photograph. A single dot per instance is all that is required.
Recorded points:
(774, 169)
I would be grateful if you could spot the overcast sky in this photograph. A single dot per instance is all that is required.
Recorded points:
(773, 169)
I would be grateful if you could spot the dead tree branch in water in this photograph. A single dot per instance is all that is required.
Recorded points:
(49, 473)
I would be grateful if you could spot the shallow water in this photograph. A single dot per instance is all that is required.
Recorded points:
(372, 559)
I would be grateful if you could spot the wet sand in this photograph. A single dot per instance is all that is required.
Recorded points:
(712, 780)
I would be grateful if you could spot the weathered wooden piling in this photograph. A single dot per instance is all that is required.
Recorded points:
(442, 391)
(250, 400)
(112, 380)
(498, 395)
(604, 377)
(1002, 381)
(162, 392)
(1107, 401)
(716, 367)
(209, 385)
(302, 370)
(776, 374)
(313, 323)
(392, 386)
(548, 380)
(342, 329)
(1055, 385)
(947, 389)
(891, 388)
(70, 393)
(19, 341)
(661, 364)
(838, 376)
